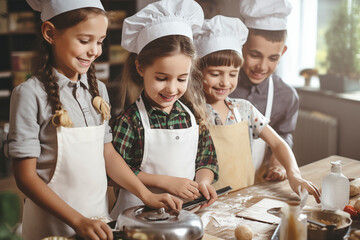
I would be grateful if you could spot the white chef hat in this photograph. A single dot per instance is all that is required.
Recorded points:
(159, 19)
(220, 33)
(265, 14)
(51, 8)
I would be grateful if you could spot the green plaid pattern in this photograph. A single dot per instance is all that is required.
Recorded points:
(128, 135)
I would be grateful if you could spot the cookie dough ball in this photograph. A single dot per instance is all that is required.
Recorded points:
(354, 187)
(243, 232)
(357, 205)
(354, 190)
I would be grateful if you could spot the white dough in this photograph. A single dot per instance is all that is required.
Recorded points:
(354, 187)
(243, 232)
(357, 205)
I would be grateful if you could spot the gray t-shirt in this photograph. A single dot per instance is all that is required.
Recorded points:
(32, 133)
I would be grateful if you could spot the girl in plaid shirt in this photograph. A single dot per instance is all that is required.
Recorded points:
(158, 135)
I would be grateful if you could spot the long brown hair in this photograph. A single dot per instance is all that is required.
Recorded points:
(44, 60)
(158, 48)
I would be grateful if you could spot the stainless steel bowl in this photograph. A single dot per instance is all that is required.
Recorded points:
(142, 223)
(315, 233)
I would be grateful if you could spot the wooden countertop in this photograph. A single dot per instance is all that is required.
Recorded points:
(220, 218)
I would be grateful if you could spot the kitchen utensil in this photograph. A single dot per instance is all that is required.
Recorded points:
(143, 223)
(328, 226)
(277, 212)
(341, 222)
(336, 230)
(202, 199)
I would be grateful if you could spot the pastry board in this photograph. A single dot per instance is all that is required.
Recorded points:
(258, 211)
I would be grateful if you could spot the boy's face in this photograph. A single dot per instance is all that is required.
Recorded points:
(261, 57)
(166, 80)
(219, 82)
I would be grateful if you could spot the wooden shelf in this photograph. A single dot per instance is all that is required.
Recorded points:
(17, 32)
(23, 40)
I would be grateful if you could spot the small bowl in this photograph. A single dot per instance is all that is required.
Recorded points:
(328, 217)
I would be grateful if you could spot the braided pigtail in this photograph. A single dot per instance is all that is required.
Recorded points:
(61, 118)
(44, 72)
(98, 102)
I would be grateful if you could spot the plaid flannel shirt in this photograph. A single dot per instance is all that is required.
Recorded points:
(128, 135)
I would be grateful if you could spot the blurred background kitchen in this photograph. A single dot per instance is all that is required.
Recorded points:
(322, 62)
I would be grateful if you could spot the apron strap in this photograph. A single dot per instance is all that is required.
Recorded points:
(145, 118)
(143, 114)
(192, 117)
(237, 114)
(270, 98)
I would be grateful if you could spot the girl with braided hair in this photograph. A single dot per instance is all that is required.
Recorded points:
(59, 139)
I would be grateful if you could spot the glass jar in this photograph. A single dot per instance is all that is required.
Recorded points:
(293, 223)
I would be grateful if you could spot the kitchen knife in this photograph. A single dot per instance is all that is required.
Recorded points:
(201, 200)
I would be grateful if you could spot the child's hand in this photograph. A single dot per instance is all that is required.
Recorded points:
(163, 200)
(296, 181)
(93, 229)
(276, 173)
(209, 192)
(181, 187)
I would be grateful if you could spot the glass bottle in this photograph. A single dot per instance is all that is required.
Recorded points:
(293, 223)
(335, 189)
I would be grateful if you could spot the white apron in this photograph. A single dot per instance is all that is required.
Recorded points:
(259, 146)
(79, 179)
(170, 152)
(232, 145)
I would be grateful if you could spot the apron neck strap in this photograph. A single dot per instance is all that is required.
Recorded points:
(145, 118)
(237, 114)
(270, 98)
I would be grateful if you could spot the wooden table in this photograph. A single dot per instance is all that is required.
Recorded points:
(220, 218)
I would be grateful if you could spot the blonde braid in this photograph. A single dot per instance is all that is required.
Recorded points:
(102, 107)
(61, 118)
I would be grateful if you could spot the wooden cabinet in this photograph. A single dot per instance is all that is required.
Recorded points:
(17, 38)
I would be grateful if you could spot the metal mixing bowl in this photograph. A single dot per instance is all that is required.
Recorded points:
(143, 223)
(315, 233)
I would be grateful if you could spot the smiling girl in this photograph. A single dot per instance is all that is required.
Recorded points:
(236, 122)
(158, 135)
(59, 138)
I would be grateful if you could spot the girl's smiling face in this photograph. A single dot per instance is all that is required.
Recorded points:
(219, 82)
(166, 80)
(75, 48)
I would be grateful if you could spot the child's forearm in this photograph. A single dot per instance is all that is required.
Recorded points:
(286, 157)
(204, 175)
(119, 172)
(37, 190)
(281, 150)
(152, 180)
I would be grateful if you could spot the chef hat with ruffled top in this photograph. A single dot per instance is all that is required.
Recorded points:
(220, 33)
(265, 14)
(51, 8)
(159, 19)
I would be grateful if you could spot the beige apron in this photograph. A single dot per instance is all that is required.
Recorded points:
(79, 179)
(259, 146)
(232, 145)
(169, 152)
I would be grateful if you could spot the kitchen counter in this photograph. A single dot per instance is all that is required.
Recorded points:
(220, 219)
